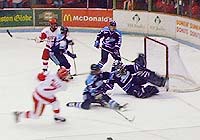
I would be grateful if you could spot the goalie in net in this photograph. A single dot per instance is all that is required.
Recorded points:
(135, 79)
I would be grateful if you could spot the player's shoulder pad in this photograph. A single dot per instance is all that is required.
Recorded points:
(118, 32)
(46, 29)
(90, 79)
(106, 28)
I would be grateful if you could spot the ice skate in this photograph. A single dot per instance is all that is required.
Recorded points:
(59, 119)
(71, 104)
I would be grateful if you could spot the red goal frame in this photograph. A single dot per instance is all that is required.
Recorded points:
(146, 38)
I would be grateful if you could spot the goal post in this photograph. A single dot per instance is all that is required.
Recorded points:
(162, 56)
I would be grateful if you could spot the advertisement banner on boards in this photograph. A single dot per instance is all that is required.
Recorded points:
(188, 29)
(131, 21)
(42, 16)
(16, 18)
(86, 18)
(160, 24)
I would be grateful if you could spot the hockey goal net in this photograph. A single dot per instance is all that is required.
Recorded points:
(163, 57)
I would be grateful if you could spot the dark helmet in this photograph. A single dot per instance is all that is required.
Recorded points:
(64, 29)
(94, 67)
(113, 23)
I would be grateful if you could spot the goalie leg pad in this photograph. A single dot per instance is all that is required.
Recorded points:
(156, 79)
(149, 91)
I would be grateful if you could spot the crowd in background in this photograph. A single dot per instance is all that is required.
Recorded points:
(189, 8)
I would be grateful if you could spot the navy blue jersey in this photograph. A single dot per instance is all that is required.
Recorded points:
(60, 44)
(124, 81)
(95, 83)
(111, 39)
(128, 78)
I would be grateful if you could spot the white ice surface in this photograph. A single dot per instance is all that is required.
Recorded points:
(168, 116)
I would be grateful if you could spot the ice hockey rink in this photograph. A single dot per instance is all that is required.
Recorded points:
(168, 116)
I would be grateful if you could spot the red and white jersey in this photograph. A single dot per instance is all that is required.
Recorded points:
(46, 90)
(46, 33)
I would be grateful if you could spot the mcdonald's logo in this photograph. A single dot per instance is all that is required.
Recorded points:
(67, 17)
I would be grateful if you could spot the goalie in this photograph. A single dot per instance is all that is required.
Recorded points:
(134, 79)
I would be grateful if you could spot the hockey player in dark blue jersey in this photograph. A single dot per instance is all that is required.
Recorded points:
(60, 48)
(111, 43)
(95, 91)
(134, 79)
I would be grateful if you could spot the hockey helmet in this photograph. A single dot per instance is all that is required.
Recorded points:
(113, 23)
(95, 68)
(63, 29)
(62, 73)
(52, 21)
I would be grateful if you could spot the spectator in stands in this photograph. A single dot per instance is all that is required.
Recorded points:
(169, 7)
(70, 2)
(17, 3)
(180, 5)
(102, 3)
(1, 4)
(160, 5)
(129, 5)
(195, 11)
(58, 3)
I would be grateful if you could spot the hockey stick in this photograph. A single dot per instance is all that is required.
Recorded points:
(112, 53)
(17, 37)
(75, 69)
(125, 117)
(79, 74)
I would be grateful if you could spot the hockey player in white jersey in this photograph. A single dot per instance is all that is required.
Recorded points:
(48, 34)
(44, 94)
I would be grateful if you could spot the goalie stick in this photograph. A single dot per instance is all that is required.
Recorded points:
(18, 37)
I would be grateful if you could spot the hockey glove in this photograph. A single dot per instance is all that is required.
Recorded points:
(72, 55)
(96, 44)
(71, 42)
(38, 40)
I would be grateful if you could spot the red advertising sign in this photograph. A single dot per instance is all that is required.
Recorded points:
(86, 18)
